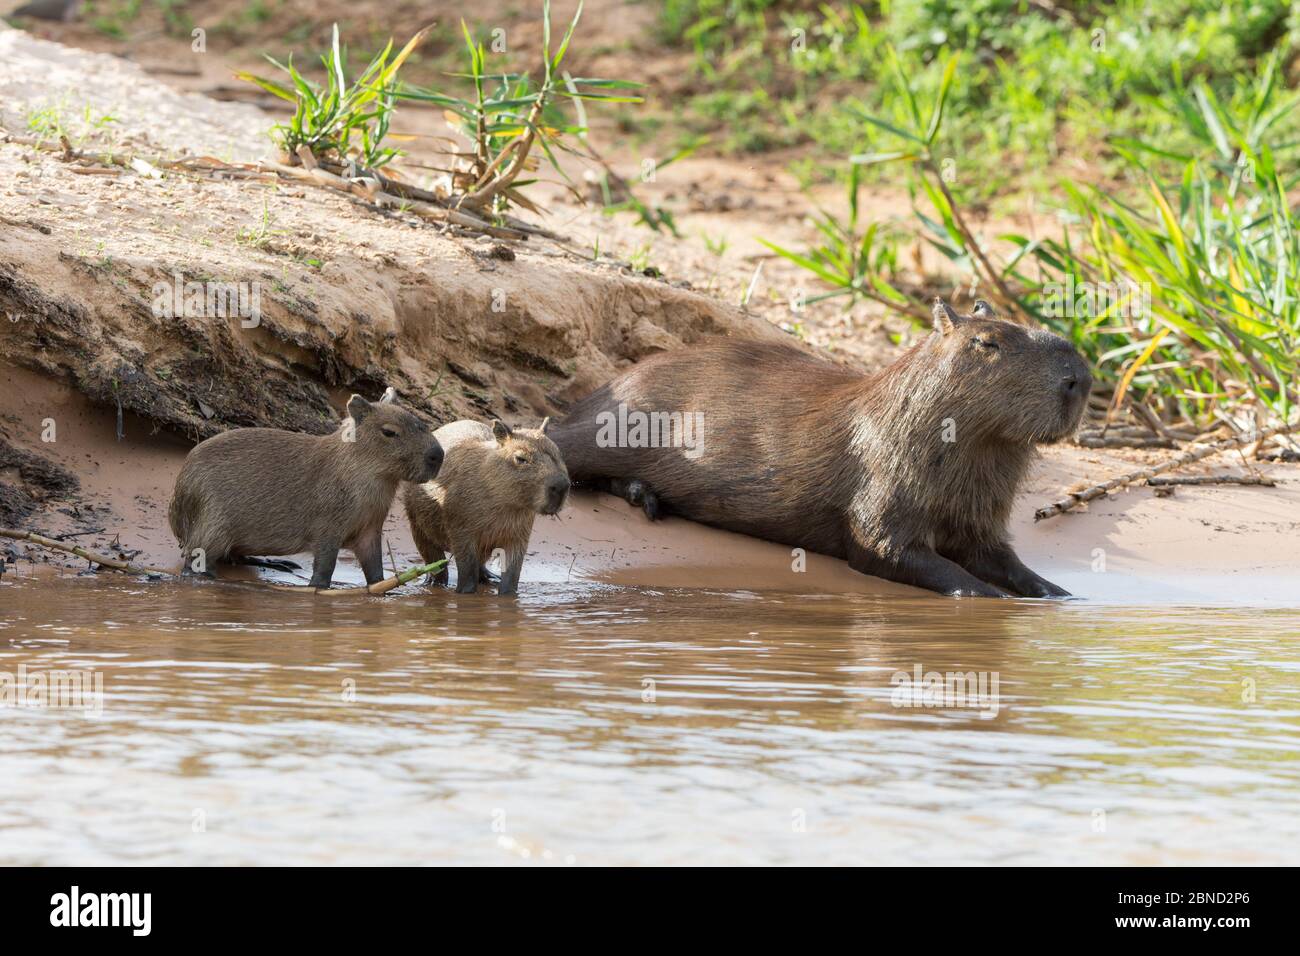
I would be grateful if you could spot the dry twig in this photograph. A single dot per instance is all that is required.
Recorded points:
(113, 564)
(1076, 498)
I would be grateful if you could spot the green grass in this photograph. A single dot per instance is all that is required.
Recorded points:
(1181, 291)
(112, 17)
(508, 114)
(341, 119)
(1034, 86)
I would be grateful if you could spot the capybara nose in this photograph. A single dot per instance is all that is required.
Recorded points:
(433, 462)
(1076, 383)
(555, 495)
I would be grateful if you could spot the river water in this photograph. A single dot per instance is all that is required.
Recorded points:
(587, 724)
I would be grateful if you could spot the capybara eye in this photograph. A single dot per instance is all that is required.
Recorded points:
(521, 459)
(987, 343)
(389, 431)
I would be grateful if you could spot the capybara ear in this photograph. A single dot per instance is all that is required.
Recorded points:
(500, 430)
(545, 421)
(983, 310)
(358, 408)
(944, 316)
(390, 395)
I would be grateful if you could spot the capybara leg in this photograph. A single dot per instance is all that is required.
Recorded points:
(430, 551)
(510, 576)
(923, 568)
(1001, 566)
(190, 566)
(200, 555)
(468, 568)
(369, 553)
(322, 565)
(638, 494)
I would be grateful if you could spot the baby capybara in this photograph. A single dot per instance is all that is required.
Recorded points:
(908, 473)
(264, 491)
(493, 484)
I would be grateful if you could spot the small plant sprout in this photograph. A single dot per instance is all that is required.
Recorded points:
(341, 120)
(511, 113)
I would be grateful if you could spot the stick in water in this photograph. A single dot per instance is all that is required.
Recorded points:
(113, 564)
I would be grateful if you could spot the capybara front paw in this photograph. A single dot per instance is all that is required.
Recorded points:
(987, 590)
(1045, 589)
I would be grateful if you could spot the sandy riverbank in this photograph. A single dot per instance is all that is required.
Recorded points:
(353, 301)
(1219, 545)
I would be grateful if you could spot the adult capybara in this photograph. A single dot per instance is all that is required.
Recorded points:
(264, 491)
(493, 484)
(909, 473)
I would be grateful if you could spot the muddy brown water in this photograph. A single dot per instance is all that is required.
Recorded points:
(591, 724)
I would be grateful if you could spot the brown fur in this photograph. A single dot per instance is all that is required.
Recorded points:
(493, 485)
(812, 455)
(263, 491)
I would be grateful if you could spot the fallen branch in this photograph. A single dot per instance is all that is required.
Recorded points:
(379, 587)
(66, 151)
(1259, 480)
(80, 552)
(1124, 441)
(366, 189)
(1077, 498)
(113, 564)
(376, 191)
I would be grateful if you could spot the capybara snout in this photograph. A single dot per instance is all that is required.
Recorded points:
(1076, 383)
(557, 490)
(432, 462)
(1067, 370)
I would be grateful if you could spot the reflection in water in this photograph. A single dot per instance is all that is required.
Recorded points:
(595, 725)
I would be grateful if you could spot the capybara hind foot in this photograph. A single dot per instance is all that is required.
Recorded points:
(273, 564)
(638, 494)
(650, 505)
(435, 579)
